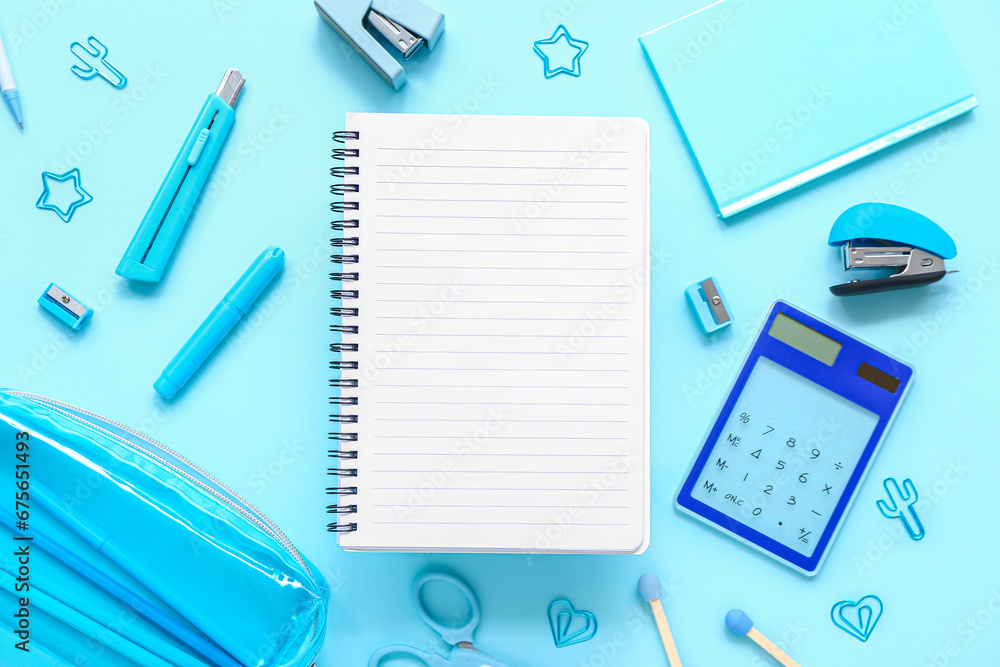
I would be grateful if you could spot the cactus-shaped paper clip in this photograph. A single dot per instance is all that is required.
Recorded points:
(900, 504)
(94, 61)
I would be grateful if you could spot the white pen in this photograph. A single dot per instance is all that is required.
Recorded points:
(8, 87)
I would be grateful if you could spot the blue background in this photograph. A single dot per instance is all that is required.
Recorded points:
(257, 414)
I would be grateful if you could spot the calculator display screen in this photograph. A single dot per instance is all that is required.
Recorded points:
(785, 456)
(805, 339)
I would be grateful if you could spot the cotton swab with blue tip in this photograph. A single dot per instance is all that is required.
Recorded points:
(650, 590)
(740, 623)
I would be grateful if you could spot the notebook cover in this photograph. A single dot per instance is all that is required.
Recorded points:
(771, 95)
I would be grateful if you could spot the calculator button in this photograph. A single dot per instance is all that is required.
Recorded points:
(777, 462)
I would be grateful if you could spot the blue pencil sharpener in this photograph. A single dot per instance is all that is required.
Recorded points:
(708, 305)
(61, 304)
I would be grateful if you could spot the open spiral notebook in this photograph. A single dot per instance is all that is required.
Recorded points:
(494, 334)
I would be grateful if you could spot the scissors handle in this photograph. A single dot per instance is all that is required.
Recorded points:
(461, 657)
(428, 659)
(452, 635)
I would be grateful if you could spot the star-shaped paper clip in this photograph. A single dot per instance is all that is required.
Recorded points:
(578, 44)
(65, 214)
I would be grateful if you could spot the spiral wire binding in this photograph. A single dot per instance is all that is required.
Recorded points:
(343, 246)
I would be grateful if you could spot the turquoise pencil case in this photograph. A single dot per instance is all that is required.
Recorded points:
(126, 553)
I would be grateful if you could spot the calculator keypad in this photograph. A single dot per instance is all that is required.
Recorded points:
(785, 455)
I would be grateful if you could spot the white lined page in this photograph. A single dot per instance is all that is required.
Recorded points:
(503, 399)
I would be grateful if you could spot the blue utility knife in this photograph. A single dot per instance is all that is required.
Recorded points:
(149, 252)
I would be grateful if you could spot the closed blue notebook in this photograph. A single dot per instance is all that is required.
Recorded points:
(771, 95)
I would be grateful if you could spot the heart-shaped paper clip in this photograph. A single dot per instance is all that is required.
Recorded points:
(857, 619)
(561, 620)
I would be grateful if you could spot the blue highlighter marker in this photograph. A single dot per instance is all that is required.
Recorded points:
(236, 304)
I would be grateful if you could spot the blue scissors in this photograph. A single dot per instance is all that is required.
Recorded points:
(463, 653)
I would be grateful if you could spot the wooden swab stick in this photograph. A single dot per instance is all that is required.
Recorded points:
(740, 623)
(649, 588)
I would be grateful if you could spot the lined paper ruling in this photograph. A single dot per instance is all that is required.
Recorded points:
(502, 334)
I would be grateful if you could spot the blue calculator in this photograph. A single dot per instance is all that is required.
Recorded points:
(795, 438)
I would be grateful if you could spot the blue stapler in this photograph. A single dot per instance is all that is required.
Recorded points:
(885, 236)
(406, 24)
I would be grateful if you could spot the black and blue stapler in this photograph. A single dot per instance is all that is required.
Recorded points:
(885, 236)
